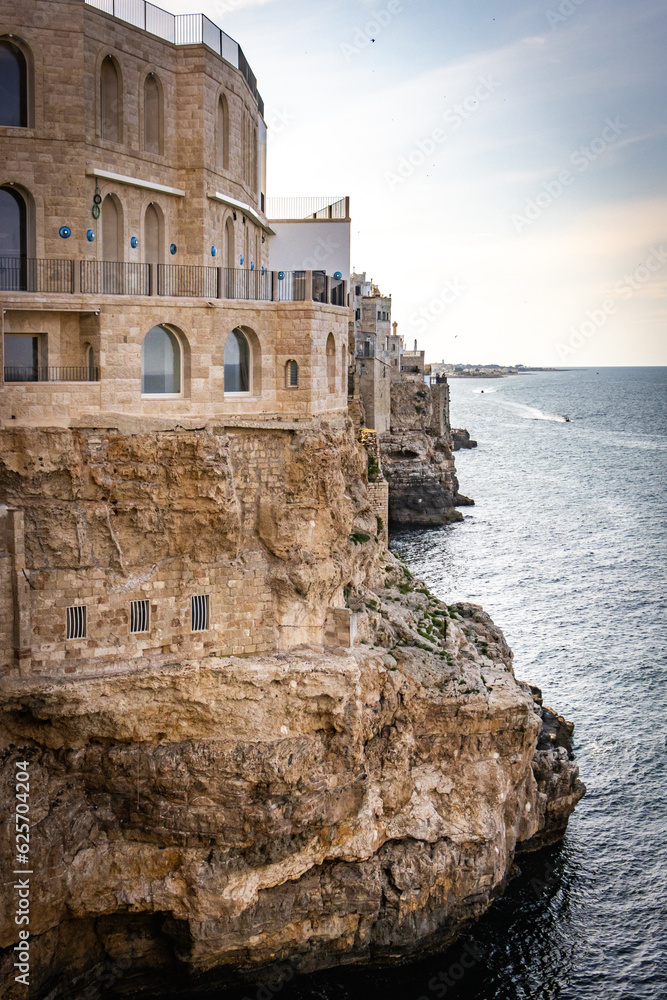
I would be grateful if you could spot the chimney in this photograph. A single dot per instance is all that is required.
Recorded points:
(415, 346)
(395, 327)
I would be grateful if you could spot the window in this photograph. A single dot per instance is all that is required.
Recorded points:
(200, 612)
(292, 375)
(110, 97)
(21, 357)
(90, 363)
(331, 363)
(160, 363)
(357, 289)
(237, 362)
(153, 235)
(12, 223)
(230, 260)
(140, 616)
(222, 134)
(111, 242)
(76, 623)
(13, 86)
(152, 115)
(357, 314)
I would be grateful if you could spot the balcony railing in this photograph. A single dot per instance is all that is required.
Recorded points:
(322, 207)
(182, 29)
(38, 373)
(106, 277)
(241, 283)
(103, 277)
(30, 274)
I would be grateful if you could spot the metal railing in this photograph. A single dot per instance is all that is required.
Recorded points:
(323, 207)
(31, 274)
(105, 277)
(40, 373)
(182, 29)
(187, 280)
(240, 283)
(108, 277)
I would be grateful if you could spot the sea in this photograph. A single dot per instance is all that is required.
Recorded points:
(566, 549)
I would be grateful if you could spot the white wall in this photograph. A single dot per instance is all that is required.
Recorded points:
(311, 245)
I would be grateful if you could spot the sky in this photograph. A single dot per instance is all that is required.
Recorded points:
(505, 161)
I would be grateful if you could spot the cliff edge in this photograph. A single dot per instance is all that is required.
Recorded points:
(199, 818)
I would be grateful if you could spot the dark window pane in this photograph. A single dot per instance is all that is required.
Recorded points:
(21, 358)
(12, 224)
(160, 362)
(13, 77)
(237, 363)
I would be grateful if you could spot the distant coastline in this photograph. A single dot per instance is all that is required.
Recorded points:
(486, 371)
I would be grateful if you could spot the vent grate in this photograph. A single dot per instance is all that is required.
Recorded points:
(76, 622)
(200, 612)
(140, 616)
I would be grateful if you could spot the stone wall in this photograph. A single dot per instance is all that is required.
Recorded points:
(65, 139)
(269, 523)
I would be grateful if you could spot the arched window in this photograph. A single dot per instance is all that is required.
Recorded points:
(13, 224)
(331, 363)
(291, 375)
(237, 362)
(111, 230)
(222, 134)
(230, 258)
(153, 235)
(110, 101)
(152, 115)
(13, 85)
(90, 362)
(160, 363)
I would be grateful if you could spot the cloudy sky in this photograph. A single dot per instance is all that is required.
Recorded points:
(505, 161)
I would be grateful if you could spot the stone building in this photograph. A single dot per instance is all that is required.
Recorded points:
(138, 298)
(372, 328)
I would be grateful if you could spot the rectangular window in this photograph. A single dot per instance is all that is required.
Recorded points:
(200, 612)
(140, 616)
(76, 622)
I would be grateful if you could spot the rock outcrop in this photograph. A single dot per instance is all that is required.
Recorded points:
(417, 458)
(216, 817)
(207, 819)
(461, 439)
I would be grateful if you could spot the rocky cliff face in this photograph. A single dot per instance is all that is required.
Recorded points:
(417, 458)
(199, 820)
(461, 439)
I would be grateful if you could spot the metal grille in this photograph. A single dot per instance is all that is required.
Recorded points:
(241, 283)
(200, 612)
(30, 274)
(187, 280)
(293, 373)
(105, 277)
(76, 622)
(291, 287)
(140, 616)
(41, 374)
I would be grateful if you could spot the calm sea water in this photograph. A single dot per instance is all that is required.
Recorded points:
(566, 550)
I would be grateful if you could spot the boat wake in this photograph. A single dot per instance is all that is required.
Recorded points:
(531, 412)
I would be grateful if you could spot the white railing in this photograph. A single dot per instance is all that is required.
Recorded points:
(314, 207)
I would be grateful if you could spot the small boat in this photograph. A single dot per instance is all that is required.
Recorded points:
(566, 419)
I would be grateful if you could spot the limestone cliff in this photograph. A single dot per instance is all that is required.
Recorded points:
(461, 439)
(417, 458)
(199, 818)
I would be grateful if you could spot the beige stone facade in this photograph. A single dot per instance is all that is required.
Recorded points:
(113, 494)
